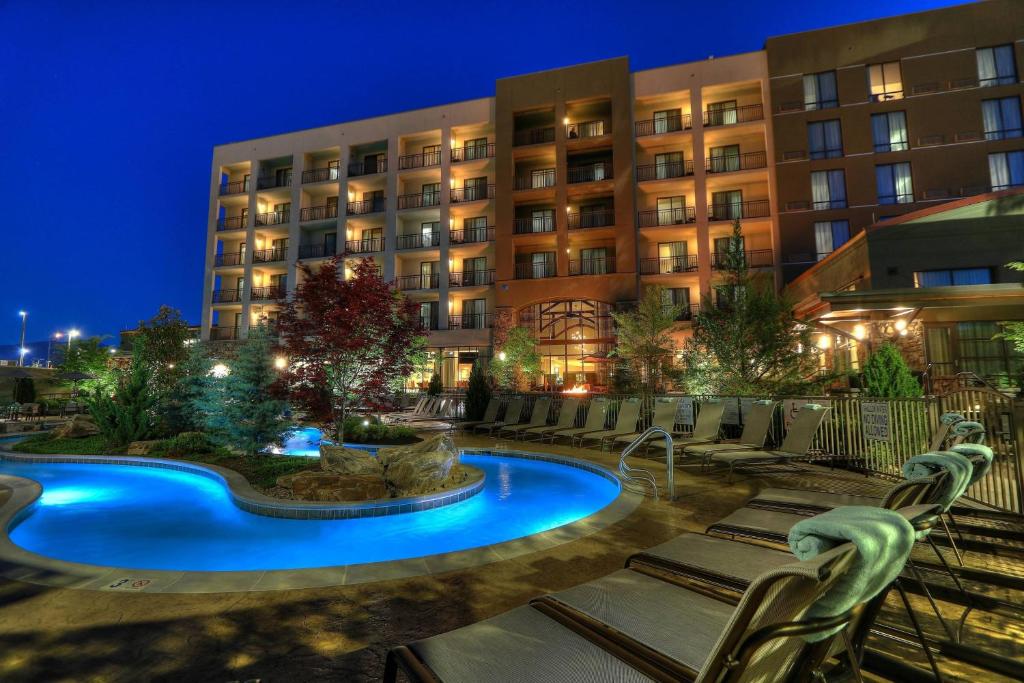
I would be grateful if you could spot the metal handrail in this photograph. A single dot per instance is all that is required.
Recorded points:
(636, 475)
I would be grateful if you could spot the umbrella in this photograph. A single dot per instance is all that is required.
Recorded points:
(75, 376)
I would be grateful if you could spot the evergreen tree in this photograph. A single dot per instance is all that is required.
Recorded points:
(478, 393)
(180, 410)
(643, 341)
(126, 415)
(886, 375)
(435, 387)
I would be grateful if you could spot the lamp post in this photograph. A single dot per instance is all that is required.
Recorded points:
(72, 333)
(21, 349)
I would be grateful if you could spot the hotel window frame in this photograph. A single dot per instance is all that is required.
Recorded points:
(819, 101)
(827, 150)
(471, 147)
(888, 143)
(673, 257)
(898, 173)
(724, 158)
(671, 120)
(883, 84)
(834, 182)
(953, 273)
(993, 65)
(994, 111)
(823, 229)
(718, 113)
(1012, 167)
(677, 297)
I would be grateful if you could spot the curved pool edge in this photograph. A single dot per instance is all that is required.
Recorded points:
(22, 565)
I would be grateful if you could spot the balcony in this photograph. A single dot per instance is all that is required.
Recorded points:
(320, 175)
(757, 258)
(667, 265)
(273, 217)
(223, 333)
(407, 283)
(655, 217)
(590, 173)
(664, 171)
(535, 180)
(534, 271)
(461, 195)
(271, 182)
(668, 124)
(471, 152)
(227, 296)
(534, 136)
(365, 206)
(370, 245)
(736, 162)
(593, 266)
(600, 218)
(419, 200)
(419, 240)
(586, 129)
(367, 167)
(271, 293)
(308, 251)
(235, 187)
(687, 311)
(471, 278)
(471, 235)
(728, 117)
(231, 222)
(525, 226)
(270, 255)
(471, 321)
(424, 160)
(318, 213)
(757, 208)
(229, 259)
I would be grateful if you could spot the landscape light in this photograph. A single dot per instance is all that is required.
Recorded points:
(280, 362)
(220, 370)
(859, 332)
(502, 356)
(824, 342)
(366, 423)
(901, 325)
(113, 351)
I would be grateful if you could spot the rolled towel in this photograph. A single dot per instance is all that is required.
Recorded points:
(883, 539)
(969, 431)
(951, 418)
(981, 465)
(956, 464)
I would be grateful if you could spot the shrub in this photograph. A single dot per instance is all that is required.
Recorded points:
(435, 387)
(45, 444)
(375, 431)
(24, 390)
(127, 415)
(886, 375)
(478, 393)
(188, 443)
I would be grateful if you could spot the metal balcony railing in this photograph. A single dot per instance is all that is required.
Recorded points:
(270, 255)
(319, 175)
(590, 173)
(471, 278)
(471, 235)
(419, 240)
(366, 246)
(600, 218)
(223, 333)
(535, 180)
(272, 293)
(668, 124)
(365, 206)
(410, 282)
(233, 258)
(226, 296)
(418, 200)
(421, 160)
(592, 266)
(655, 217)
(472, 193)
(664, 171)
(234, 187)
(273, 217)
(367, 167)
(736, 162)
(272, 181)
(666, 265)
(534, 136)
(523, 226)
(756, 208)
(727, 117)
(316, 250)
(318, 213)
(471, 321)
(755, 258)
(231, 222)
(471, 152)
(533, 271)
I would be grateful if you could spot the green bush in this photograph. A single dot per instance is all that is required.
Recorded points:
(187, 443)
(435, 387)
(45, 444)
(886, 375)
(375, 431)
(478, 393)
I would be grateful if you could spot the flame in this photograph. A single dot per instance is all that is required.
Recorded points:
(576, 389)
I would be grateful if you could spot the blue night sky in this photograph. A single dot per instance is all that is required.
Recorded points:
(109, 112)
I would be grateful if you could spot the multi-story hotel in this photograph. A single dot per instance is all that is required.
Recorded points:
(558, 199)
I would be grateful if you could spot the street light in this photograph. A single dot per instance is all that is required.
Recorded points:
(24, 319)
(72, 333)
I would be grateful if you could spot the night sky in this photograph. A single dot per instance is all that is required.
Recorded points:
(109, 112)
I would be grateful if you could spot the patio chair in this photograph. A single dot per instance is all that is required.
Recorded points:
(665, 410)
(490, 414)
(427, 408)
(625, 423)
(597, 413)
(633, 627)
(566, 420)
(755, 433)
(538, 417)
(796, 444)
(439, 409)
(513, 413)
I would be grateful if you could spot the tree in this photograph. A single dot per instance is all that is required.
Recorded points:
(89, 356)
(644, 343)
(164, 341)
(747, 342)
(517, 362)
(24, 390)
(241, 409)
(886, 375)
(478, 393)
(181, 411)
(346, 340)
(435, 387)
(125, 415)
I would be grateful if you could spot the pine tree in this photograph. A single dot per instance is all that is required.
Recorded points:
(478, 393)
(179, 411)
(127, 414)
(435, 387)
(886, 375)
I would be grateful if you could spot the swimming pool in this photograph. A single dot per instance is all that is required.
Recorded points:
(305, 442)
(161, 519)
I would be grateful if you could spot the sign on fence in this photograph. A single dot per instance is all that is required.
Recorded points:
(736, 410)
(791, 406)
(874, 419)
(684, 414)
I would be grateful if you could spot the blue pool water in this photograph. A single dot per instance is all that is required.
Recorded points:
(305, 442)
(148, 518)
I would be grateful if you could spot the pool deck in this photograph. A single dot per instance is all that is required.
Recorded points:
(342, 633)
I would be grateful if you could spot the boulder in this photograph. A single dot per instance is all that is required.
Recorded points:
(393, 454)
(142, 447)
(425, 467)
(341, 460)
(79, 426)
(329, 487)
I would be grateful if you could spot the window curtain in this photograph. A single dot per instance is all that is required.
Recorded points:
(1009, 109)
(1006, 67)
(827, 89)
(833, 139)
(998, 171)
(816, 139)
(990, 119)
(897, 122)
(972, 276)
(903, 183)
(811, 95)
(820, 189)
(837, 189)
(986, 66)
(934, 278)
(823, 239)
(880, 132)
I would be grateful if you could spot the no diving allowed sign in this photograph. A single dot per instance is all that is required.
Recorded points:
(129, 584)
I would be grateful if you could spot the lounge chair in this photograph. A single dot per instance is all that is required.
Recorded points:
(513, 411)
(441, 410)
(755, 433)
(665, 410)
(625, 423)
(426, 407)
(597, 413)
(566, 420)
(490, 414)
(538, 417)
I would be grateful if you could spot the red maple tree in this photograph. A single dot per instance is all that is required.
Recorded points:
(347, 341)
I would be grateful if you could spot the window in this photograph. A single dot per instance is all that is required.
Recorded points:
(984, 352)
(671, 210)
(889, 131)
(543, 263)
(726, 205)
(668, 165)
(996, 65)
(829, 236)
(953, 278)
(593, 261)
(544, 177)
(543, 220)
(476, 149)
(475, 188)
(828, 189)
(885, 81)
(330, 243)
(1006, 169)
(474, 271)
(474, 313)
(431, 193)
(475, 229)
(668, 121)
(431, 155)
(428, 314)
(894, 184)
(672, 257)
(724, 159)
(820, 91)
(677, 298)
(430, 234)
(1001, 118)
(723, 247)
(824, 139)
(722, 113)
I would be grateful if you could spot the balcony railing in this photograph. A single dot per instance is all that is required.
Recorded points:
(234, 187)
(524, 226)
(669, 124)
(687, 311)
(592, 266)
(273, 217)
(271, 181)
(756, 258)
(418, 200)
(319, 175)
(736, 162)
(367, 167)
(410, 282)
(472, 193)
(318, 213)
(419, 240)
(471, 278)
(270, 255)
(666, 265)
(534, 136)
(655, 217)
(587, 129)
(591, 173)
(471, 235)
(727, 117)
(231, 222)
(756, 208)
(223, 333)
(271, 293)
(423, 160)
(600, 218)
(535, 180)
(533, 271)
(370, 245)
(227, 296)
(365, 206)
(471, 321)
(471, 152)
(316, 250)
(233, 258)
(664, 171)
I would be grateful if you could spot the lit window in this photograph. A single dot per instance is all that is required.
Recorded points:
(1006, 169)
(996, 65)
(825, 139)
(829, 236)
(885, 81)
(828, 189)
(820, 91)
(894, 184)
(1001, 118)
(889, 131)
(953, 277)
